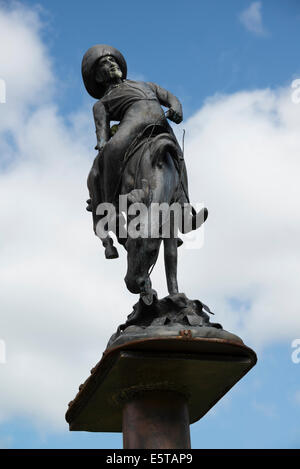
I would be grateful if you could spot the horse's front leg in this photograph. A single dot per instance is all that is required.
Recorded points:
(170, 254)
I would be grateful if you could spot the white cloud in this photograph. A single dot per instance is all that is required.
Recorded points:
(251, 18)
(61, 300)
(244, 150)
(25, 64)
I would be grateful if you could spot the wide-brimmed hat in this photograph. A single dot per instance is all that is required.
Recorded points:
(88, 67)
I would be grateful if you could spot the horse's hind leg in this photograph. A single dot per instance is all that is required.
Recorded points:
(110, 250)
(170, 254)
(93, 184)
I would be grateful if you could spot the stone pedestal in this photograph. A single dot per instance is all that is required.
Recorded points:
(153, 388)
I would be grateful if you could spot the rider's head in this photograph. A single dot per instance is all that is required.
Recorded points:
(107, 69)
(100, 64)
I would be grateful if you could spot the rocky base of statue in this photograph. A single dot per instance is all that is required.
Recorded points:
(171, 316)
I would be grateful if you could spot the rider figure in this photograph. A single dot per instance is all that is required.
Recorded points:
(136, 105)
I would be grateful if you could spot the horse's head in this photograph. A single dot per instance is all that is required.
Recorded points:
(142, 248)
(141, 256)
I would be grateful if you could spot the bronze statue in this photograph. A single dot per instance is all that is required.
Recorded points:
(141, 159)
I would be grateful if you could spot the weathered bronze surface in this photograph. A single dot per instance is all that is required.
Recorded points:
(166, 317)
(202, 370)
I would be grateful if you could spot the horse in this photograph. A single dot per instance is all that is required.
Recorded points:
(153, 174)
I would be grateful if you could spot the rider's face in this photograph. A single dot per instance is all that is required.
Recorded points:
(107, 69)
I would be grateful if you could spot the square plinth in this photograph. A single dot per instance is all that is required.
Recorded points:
(201, 369)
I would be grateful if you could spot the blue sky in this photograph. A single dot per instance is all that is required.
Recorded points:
(196, 50)
(231, 64)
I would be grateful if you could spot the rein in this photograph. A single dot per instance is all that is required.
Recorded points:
(133, 147)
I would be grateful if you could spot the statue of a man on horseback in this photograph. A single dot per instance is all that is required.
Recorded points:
(140, 158)
(167, 365)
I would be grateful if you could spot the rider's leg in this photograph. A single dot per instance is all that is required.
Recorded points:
(113, 155)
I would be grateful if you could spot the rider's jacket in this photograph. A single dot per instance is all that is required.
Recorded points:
(115, 102)
(119, 98)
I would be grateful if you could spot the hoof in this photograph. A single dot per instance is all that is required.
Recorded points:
(148, 297)
(111, 252)
(89, 205)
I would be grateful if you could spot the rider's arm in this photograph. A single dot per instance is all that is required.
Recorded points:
(167, 99)
(102, 124)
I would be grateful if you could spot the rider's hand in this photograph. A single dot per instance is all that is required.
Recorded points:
(175, 115)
